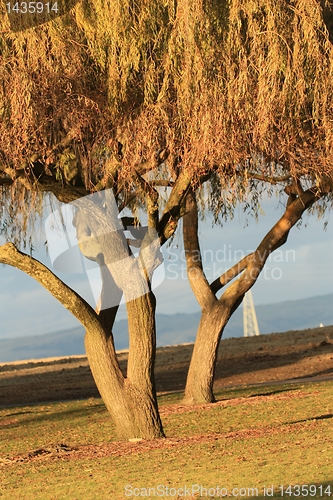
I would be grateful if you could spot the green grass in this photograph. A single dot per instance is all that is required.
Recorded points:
(256, 438)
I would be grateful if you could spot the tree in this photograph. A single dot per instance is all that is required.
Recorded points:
(304, 190)
(57, 138)
(216, 312)
(141, 97)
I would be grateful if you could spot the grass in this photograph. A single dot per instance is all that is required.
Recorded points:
(253, 438)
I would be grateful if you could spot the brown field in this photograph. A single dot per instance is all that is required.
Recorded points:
(292, 355)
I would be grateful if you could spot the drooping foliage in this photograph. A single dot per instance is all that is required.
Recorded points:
(240, 87)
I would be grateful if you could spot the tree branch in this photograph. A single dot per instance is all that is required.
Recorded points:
(152, 201)
(271, 180)
(276, 237)
(161, 182)
(6, 181)
(229, 275)
(150, 256)
(195, 272)
(154, 162)
(107, 314)
(64, 294)
(65, 193)
(169, 220)
(10, 255)
(126, 202)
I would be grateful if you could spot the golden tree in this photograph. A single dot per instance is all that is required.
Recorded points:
(135, 96)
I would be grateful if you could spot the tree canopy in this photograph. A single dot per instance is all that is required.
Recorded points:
(112, 90)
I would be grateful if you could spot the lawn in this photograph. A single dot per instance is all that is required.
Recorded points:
(254, 442)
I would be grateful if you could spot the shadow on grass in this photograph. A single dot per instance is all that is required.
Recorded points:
(53, 414)
(71, 383)
(21, 365)
(254, 362)
(271, 393)
(254, 391)
(321, 417)
(20, 413)
(328, 371)
(58, 385)
(258, 361)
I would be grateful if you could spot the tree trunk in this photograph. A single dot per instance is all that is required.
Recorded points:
(199, 384)
(130, 401)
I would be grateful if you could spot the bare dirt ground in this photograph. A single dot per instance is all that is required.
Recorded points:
(290, 355)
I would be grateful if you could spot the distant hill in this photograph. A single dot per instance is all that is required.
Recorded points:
(176, 329)
(289, 315)
(63, 343)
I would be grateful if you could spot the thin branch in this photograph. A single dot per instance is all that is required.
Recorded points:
(161, 182)
(10, 255)
(66, 193)
(172, 211)
(65, 141)
(156, 161)
(12, 172)
(152, 200)
(6, 180)
(126, 202)
(271, 180)
(229, 275)
(149, 257)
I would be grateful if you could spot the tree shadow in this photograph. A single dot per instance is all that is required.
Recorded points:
(56, 415)
(271, 393)
(320, 417)
(261, 361)
(38, 388)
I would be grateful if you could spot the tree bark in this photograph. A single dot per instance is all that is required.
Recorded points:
(131, 401)
(199, 387)
(217, 312)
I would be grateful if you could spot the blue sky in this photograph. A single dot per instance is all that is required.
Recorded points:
(301, 268)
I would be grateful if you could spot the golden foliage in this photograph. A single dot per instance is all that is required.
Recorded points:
(242, 84)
